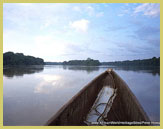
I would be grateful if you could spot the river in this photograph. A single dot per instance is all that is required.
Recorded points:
(33, 94)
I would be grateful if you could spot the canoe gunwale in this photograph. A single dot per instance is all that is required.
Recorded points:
(131, 96)
(65, 106)
(90, 92)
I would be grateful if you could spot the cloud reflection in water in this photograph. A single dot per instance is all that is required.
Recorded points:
(48, 83)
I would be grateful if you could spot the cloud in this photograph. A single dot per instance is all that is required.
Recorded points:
(14, 38)
(80, 25)
(116, 28)
(125, 9)
(73, 49)
(79, 49)
(48, 83)
(148, 9)
(155, 42)
(148, 41)
(100, 14)
(40, 16)
(147, 32)
(120, 15)
(49, 44)
(124, 12)
(132, 48)
(87, 10)
(51, 29)
(148, 37)
(90, 10)
(46, 24)
(25, 4)
(77, 8)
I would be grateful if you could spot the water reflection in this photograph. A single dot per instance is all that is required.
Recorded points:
(89, 69)
(21, 70)
(153, 70)
(10, 72)
(48, 83)
(36, 97)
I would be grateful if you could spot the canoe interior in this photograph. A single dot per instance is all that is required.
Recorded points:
(125, 106)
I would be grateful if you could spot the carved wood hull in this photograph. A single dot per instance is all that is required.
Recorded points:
(125, 107)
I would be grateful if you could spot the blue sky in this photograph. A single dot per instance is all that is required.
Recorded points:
(59, 32)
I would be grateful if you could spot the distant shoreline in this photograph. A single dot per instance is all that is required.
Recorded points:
(144, 62)
(15, 59)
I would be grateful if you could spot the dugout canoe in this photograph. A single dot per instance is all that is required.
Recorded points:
(106, 100)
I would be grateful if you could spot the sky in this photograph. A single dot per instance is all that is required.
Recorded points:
(65, 31)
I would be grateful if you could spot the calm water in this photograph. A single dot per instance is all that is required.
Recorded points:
(32, 95)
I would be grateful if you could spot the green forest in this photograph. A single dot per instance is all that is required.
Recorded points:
(90, 62)
(145, 62)
(10, 58)
(87, 62)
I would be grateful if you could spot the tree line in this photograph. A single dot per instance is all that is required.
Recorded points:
(87, 62)
(90, 62)
(145, 62)
(10, 58)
